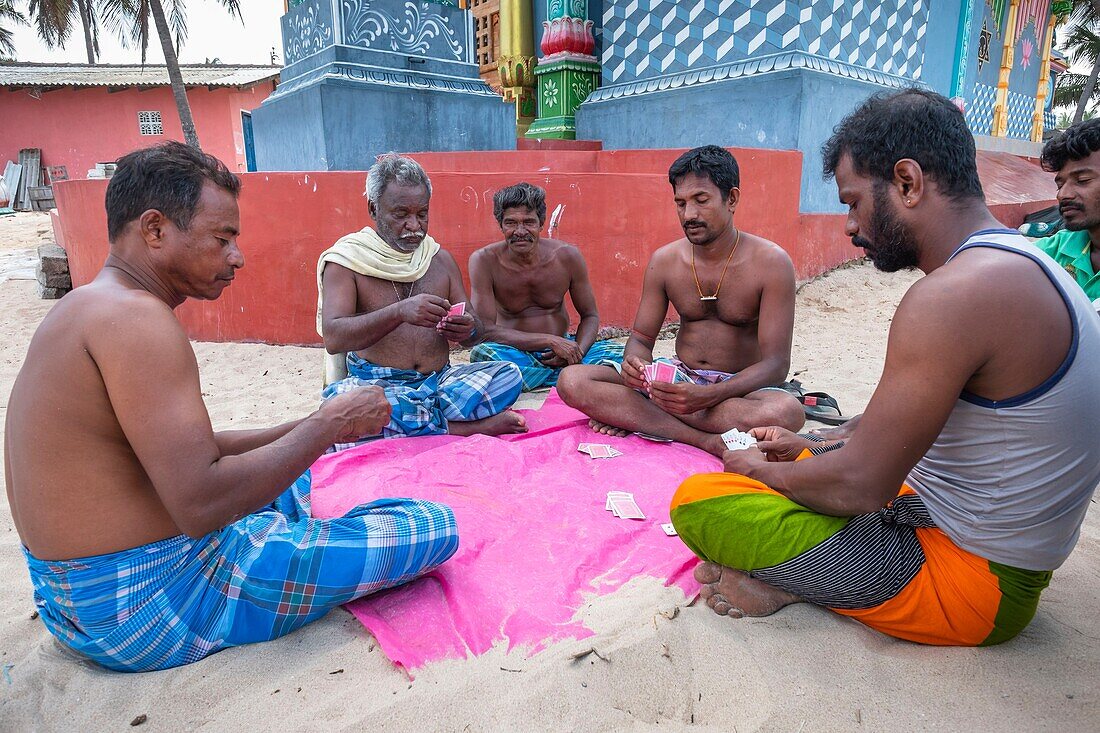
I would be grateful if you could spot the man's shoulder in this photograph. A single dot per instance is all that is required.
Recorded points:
(767, 252)
(488, 253)
(669, 251)
(562, 251)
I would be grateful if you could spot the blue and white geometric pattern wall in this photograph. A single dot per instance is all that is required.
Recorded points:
(979, 112)
(647, 38)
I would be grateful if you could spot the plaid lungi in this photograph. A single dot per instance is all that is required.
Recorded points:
(178, 600)
(424, 403)
(537, 375)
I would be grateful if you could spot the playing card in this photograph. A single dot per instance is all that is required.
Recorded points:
(736, 440)
(669, 530)
(626, 507)
(598, 450)
(664, 372)
(649, 372)
(458, 309)
(611, 494)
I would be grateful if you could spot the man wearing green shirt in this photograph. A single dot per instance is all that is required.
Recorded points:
(1074, 158)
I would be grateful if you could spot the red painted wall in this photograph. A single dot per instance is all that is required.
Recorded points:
(79, 127)
(617, 217)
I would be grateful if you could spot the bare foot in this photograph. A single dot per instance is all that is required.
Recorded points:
(605, 429)
(733, 593)
(505, 423)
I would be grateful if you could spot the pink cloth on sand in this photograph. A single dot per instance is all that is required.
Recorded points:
(535, 539)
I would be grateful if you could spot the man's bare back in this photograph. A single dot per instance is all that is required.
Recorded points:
(84, 490)
(108, 445)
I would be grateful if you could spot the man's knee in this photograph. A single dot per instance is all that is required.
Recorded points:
(572, 384)
(780, 409)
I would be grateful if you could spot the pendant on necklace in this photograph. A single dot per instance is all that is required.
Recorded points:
(705, 298)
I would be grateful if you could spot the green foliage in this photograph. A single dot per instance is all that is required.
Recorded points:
(8, 14)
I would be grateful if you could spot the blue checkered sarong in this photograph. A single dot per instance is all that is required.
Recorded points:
(178, 600)
(423, 404)
(537, 375)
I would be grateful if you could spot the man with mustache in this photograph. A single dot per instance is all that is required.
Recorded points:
(384, 296)
(519, 287)
(734, 293)
(965, 483)
(153, 541)
(1074, 158)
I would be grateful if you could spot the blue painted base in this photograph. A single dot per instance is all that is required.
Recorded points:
(790, 102)
(340, 116)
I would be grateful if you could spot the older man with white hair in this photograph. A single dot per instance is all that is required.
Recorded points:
(388, 304)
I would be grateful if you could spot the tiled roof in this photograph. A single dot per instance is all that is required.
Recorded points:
(110, 75)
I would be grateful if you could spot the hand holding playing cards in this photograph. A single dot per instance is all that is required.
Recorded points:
(360, 412)
(424, 309)
(457, 325)
(780, 444)
(632, 373)
(563, 352)
(681, 399)
(743, 461)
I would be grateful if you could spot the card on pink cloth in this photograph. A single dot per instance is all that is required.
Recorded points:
(534, 540)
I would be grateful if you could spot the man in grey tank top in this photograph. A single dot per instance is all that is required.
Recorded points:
(965, 483)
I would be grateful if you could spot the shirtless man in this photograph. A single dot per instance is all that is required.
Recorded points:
(734, 292)
(384, 298)
(133, 513)
(519, 286)
(942, 518)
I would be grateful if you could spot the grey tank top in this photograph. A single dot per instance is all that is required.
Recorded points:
(1010, 480)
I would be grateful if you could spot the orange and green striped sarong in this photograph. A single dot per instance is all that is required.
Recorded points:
(892, 570)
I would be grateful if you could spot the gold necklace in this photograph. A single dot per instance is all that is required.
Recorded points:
(707, 298)
(412, 287)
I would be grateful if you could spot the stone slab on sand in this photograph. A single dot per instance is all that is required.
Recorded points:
(802, 669)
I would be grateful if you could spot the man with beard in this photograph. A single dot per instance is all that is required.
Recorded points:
(734, 292)
(1074, 158)
(384, 297)
(152, 540)
(519, 286)
(943, 516)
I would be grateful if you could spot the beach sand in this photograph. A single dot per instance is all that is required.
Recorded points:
(803, 669)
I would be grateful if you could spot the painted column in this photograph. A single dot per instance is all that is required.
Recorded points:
(962, 53)
(568, 71)
(1044, 84)
(1000, 106)
(516, 62)
(1059, 11)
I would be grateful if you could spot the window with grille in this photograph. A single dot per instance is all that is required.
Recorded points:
(486, 32)
(149, 123)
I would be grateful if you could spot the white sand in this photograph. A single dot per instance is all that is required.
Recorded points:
(801, 669)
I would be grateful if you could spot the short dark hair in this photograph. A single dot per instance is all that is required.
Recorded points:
(1077, 141)
(522, 194)
(913, 123)
(167, 177)
(712, 161)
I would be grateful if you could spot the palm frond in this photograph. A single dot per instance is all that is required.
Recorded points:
(53, 20)
(8, 14)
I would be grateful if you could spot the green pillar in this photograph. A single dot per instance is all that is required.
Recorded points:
(567, 72)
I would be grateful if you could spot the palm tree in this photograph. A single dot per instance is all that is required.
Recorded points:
(1083, 46)
(130, 19)
(54, 20)
(8, 13)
